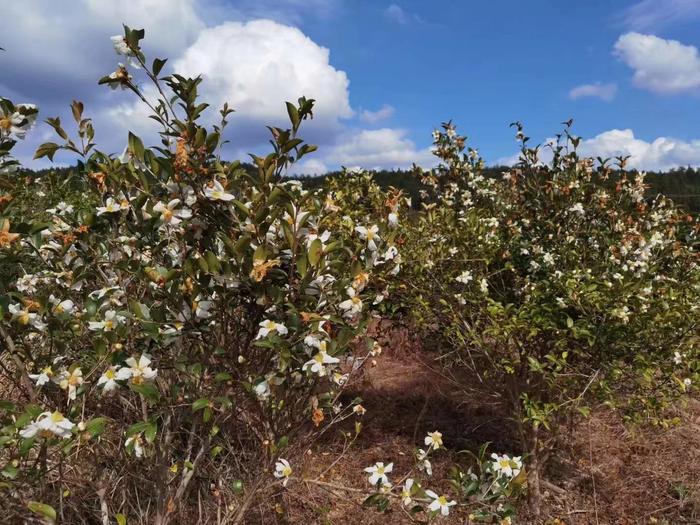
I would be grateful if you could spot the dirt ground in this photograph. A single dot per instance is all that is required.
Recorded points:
(609, 474)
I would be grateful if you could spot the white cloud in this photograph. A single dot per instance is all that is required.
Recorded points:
(55, 54)
(285, 11)
(385, 148)
(372, 117)
(652, 14)
(72, 39)
(396, 14)
(256, 66)
(663, 66)
(602, 91)
(661, 154)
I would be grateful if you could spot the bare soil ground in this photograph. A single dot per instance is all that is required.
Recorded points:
(607, 473)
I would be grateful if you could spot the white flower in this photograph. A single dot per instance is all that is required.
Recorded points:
(369, 235)
(687, 382)
(268, 326)
(62, 307)
(136, 443)
(24, 317)
(315, 364)
(108, 380)
(42, 377)
(138, 371)
(262, 390)
(283, 470)
(378, 473)
(111, 321)
(70, 381)
(505, 465)
(201, 308)
(19, 121)
(424, 464)
(48, 425)
(464, 277)
(577, 208)
(215, 191)
(677, 358)
(439, 503)
(406, 492)
(434, 440)
(353, 305)
(484, 286)
(170, 214)
(112, 206)
(393, 220)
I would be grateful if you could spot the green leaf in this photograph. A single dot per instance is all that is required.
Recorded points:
(147, 390)
(150, 431)
(48, 149)
(96, 426)
(293, 115)
(315, 252)
(136, 146)
(200, 404)
(158, 64)
(121, 519)
(47, 511)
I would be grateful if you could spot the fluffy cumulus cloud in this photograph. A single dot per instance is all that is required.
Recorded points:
(384, 148)
(653, 14)
(254, 64)
(661, 154)
(54, 44)
(372, 117)
(602, 91)
(662, 66)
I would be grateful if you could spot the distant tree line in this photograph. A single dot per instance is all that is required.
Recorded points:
(680, 184)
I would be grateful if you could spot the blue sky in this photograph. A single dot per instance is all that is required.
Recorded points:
(385, 73)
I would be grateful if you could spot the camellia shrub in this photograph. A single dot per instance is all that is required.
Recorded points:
(170, 338)
(558, 287)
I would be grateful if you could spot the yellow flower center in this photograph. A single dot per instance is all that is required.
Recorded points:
(504, 463)
(287, 471)
(57, 417)
(23, 317)
(109, 374)
(380, 470)
(109, 325)
(5, 123)
(167, 215)
(356, 300)
(442, 500)
(271, 325)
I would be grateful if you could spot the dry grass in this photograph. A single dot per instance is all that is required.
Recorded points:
(609, 473)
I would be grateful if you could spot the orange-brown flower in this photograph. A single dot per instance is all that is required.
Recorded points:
(317, 417)
(7, 238)
(260, 269)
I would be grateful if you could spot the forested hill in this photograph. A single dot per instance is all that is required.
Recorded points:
(682, 185)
